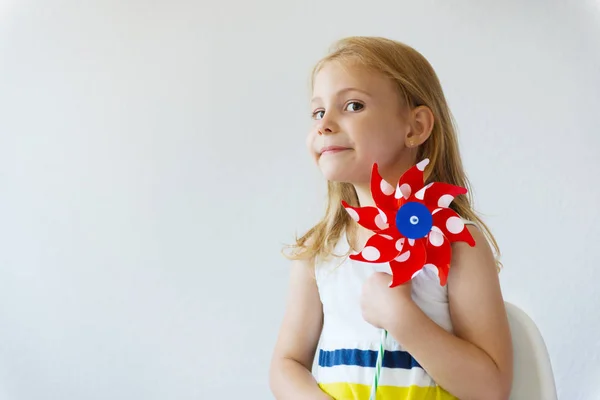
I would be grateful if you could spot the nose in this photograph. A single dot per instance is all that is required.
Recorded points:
(327, 125)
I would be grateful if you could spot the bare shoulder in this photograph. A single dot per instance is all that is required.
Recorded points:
(478, 256)
(476, 302)
(473, 273)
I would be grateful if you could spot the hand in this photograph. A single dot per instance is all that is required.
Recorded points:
(381, 304)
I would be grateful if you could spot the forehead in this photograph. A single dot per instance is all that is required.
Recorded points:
(334, 76)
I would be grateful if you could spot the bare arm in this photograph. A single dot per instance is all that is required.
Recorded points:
(290, 372)
(476, 362)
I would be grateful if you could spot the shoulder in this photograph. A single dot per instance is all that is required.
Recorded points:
(473, 282)
(302, 279)
(479, 256)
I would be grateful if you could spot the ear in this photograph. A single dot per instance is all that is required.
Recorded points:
(421, 126)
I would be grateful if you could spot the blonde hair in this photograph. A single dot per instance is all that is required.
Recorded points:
(418, 85)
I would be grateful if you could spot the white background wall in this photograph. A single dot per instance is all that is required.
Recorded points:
(152, 163)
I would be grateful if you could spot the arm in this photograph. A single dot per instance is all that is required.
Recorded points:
(476, 362)
(290, 372)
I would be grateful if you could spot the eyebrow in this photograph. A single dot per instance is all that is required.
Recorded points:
(349, 89)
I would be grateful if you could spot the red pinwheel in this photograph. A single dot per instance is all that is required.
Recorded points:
(413, 225)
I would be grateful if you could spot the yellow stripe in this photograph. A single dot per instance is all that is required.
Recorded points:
(354, 391)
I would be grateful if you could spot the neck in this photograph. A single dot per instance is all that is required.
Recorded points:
(390, 173)
(363, 191)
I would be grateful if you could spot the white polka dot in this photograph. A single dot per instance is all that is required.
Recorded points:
(436, 229)
(455, 225)
(380, 221)
(436, 238)
(436, 210)
(421, 193)
(383, 216)
(388, 237)
(411, 242)
(403, 257)
(445, 201)
(370, 253)
(353, 214)
(416, 273)
(399, 244)
(421, 166)
(386, 188)
(405, 191)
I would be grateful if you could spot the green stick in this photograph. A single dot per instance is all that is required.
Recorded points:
(378, 366)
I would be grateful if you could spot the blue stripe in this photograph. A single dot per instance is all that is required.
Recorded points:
(366, 358)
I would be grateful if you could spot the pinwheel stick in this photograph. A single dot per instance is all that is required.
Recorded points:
(378, 364)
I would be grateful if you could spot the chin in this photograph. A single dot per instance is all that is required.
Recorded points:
(334, 174)
(343, 175)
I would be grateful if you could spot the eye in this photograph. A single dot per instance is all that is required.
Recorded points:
(354, 106)
(318, 114)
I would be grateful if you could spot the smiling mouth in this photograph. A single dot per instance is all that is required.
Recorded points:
(333, 150)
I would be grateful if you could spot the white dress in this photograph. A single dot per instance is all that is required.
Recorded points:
(348, 347)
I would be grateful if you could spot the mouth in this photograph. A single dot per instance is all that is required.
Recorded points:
(333, 149)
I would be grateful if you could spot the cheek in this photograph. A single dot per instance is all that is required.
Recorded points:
(310, 143)
(380, 149)
(385, 143)
(378, 134)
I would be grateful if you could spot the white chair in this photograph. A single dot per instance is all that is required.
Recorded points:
(533, 377)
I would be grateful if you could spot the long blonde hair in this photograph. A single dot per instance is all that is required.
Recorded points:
(418, 85)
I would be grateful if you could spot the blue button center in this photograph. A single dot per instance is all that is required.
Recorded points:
(414, 220)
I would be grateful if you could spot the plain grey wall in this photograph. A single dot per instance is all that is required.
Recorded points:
(152, 163)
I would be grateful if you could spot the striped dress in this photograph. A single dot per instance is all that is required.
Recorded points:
(348, 346)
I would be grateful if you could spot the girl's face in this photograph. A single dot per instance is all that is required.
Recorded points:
(358, 121)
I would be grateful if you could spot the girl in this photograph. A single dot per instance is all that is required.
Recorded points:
(379, 101)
